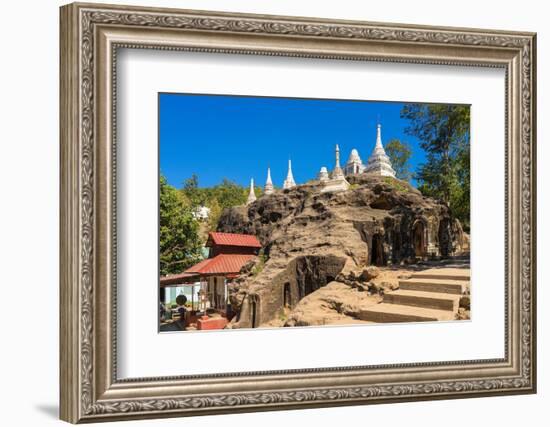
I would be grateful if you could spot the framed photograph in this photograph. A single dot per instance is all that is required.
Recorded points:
(266, 213)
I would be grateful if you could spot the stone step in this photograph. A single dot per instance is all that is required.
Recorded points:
(393, 313)
(433, 285)
(435, 300)
(443, 274)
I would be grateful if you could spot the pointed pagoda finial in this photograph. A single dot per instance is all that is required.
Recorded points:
(251, 194)
(289, 181)
(268, 188)
(379, 163)
(337, 180)
(337, 172)
(379, 136)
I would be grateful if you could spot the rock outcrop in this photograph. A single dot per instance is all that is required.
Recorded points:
(333, 304)
(309, 237)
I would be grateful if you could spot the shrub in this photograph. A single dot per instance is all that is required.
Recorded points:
(259, 265)
(396, 184)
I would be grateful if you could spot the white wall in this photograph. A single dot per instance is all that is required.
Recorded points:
(29, 170)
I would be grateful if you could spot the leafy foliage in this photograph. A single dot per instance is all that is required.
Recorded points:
(180, 245)
(399, 154)
(217, 198)
(192, 191)
(180, 230)
(214, 215)
(444, 133)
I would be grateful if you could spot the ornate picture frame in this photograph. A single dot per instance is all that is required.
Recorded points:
(90, 37)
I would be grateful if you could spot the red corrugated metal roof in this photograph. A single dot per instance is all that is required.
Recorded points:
(221, 264)
(180, 278)
(197, 267)
(233, 239)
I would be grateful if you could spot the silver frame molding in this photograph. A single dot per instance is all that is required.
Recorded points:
(90, 37)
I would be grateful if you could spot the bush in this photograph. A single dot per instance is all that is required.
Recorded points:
(259, 265)
(396, 184)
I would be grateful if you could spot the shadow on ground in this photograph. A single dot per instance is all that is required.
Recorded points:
(50, 410)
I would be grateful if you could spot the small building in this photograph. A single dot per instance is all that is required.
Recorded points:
(229, 253)
(201, 213)
(173, 285)
(232, 243)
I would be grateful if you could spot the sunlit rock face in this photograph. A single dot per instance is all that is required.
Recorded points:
(310, 236)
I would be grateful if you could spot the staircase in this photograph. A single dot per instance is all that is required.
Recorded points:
(430, 295)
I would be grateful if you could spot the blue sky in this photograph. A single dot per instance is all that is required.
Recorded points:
(237, 137)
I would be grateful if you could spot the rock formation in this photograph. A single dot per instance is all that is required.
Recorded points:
(310, 237)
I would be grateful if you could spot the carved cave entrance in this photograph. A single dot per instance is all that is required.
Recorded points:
(253, 313)
(314, 272)
(286, 295)
(419, 240)
(396, 255)
(444, 238)
(377, 255)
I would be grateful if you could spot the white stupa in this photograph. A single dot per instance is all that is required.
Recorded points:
(379, 162)
(323, 174)
(251, 194)
(354, 165)
(268, 188)
(289, 181)
(337, 181)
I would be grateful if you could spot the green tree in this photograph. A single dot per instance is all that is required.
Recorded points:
(399, 154)
(214, 215)
(225, 195)
(180, 244)
(229, 193)
(460, 198)
(219, 197)
(444, 133)
(192, 191)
